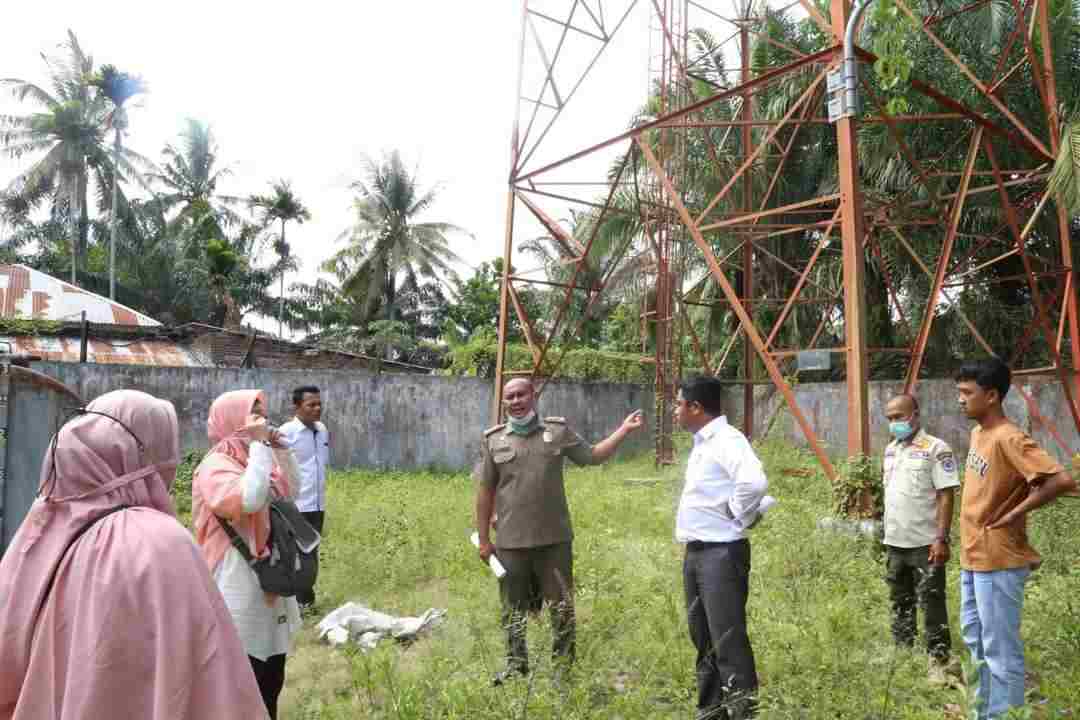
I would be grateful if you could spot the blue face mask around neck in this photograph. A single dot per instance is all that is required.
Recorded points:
(522, 426)
(901, 429)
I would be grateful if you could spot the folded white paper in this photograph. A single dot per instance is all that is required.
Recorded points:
(493, 562)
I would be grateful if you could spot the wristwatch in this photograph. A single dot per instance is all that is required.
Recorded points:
(942, 539)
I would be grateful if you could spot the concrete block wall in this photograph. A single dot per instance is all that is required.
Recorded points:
(418, 421)
(381, 421)
(825, 406)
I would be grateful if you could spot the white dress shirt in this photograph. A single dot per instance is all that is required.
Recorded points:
(311, 446)
(724, 487)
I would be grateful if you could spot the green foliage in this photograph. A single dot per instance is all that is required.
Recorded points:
(477, 357)
(221, 259)
(181, 490)
(282, 205)
(388, 335)
(622, 328)
(892, 33)
(1065, 177)
(598, 365)
(858, 477)
(118, 87)
(476, 297)
(29, 326)
(818, 612)
(389, 250)
(65, 144)
(476, 304)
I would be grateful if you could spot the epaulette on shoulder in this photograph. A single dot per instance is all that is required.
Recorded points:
(491, 430)
(559, 420)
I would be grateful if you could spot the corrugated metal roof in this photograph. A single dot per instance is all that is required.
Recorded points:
(116, 352)
(26, 292)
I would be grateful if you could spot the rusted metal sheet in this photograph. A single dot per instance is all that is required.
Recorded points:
(28, 293)
(161, 353)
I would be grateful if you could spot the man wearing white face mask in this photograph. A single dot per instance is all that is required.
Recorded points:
(521, 478)
(920, 478)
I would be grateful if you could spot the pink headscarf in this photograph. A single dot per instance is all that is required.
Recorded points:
(216, 489)
(133, 625)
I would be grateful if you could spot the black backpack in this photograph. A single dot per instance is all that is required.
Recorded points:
(292, 565)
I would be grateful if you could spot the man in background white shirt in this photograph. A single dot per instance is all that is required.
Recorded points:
(721, 499)
(310, 443)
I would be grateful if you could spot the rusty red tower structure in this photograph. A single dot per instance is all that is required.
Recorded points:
(726, 229)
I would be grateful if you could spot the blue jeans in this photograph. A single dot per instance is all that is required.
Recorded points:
(990, 606)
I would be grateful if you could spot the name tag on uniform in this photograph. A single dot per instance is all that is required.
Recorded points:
(919, 455)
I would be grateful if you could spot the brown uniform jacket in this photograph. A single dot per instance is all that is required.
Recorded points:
(527, 474)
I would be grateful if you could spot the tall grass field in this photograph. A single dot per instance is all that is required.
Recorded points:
(819, 610)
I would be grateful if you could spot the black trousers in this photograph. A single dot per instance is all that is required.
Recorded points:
(270, 674)
(914, 582)
(315, 518)
(716, 577)
(549, 569)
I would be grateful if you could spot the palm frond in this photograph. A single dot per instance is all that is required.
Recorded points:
(1065, 177)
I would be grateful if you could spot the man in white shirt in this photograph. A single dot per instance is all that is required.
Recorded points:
(721, 499)
(310, 443)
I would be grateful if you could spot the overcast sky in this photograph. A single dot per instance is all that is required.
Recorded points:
(306, 91)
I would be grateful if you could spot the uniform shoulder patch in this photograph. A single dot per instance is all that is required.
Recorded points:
(559, 420)
(947, 459)
(495, 429)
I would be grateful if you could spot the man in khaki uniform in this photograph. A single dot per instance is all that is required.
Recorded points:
(920, 477)
(521, 479)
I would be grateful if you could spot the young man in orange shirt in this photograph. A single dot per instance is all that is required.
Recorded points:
(1007, 476)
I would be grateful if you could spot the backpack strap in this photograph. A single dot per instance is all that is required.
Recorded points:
(236, 541)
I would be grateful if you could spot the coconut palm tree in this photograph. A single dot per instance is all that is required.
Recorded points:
(118, 87)
(388, 248)
(221, 262)
(190, 180)
(283, 206)
(68, 138)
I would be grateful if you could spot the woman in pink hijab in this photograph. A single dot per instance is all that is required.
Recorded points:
(248, 463)
(106, 608)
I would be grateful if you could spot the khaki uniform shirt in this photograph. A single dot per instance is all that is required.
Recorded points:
(1001, 465)
(913, 473)
(527, 474)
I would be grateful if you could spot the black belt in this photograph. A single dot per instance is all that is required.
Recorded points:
(701, 545)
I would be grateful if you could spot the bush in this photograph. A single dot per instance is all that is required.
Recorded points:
(477, 356)
(858, 477)
(181, 490)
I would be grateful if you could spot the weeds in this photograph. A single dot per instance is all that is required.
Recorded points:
(818, 612)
